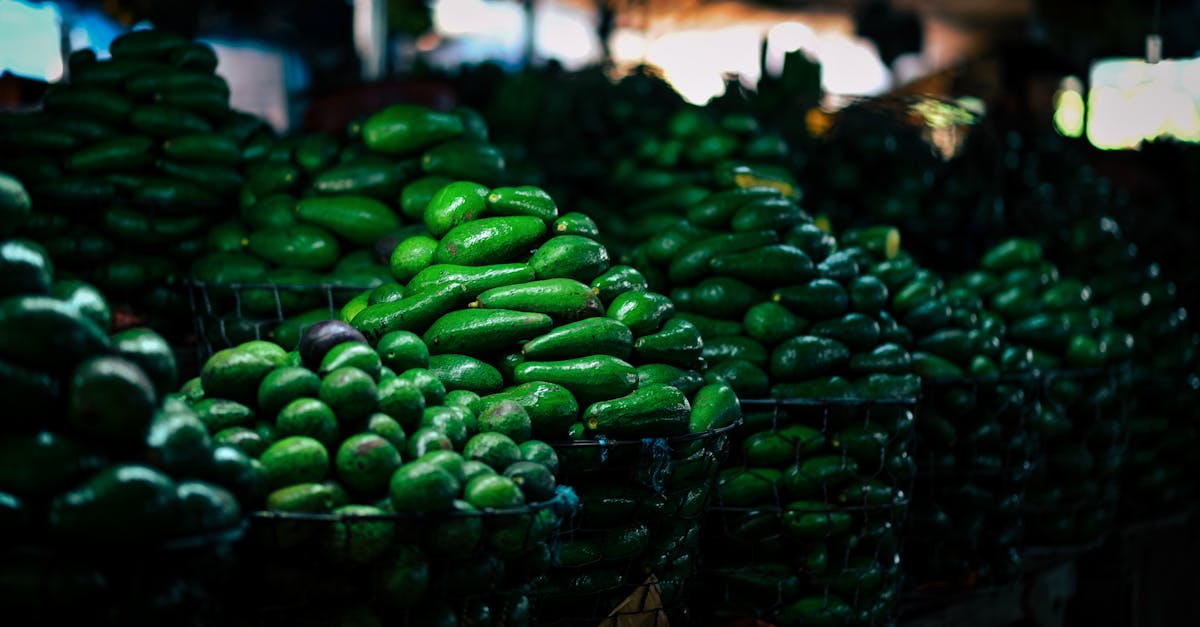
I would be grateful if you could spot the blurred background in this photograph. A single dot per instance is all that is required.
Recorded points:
(1078, 64)
(960, 121)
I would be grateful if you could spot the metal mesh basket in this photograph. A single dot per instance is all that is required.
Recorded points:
(177, 582)
(1072, 499)
(408, 569)
(806, 525)
(975, 452)
(1163, 434)
(228, 314)
(632, 547)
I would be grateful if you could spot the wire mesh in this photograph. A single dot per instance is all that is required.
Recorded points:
(1163, 433)
(975, 451)
(228, 314)
(1072, 497)
(407, 569)
(632, 547)
(807, 520)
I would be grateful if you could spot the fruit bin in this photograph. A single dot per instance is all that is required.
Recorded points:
(228, 314)
(975, 450)
(632, 546)
(807, 520)
(1162, 437)
(459, 567)
(1072, 500)
(119, 582)
(128, 248)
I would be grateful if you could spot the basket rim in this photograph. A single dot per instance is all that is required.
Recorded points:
(603, 442)
(560, 499)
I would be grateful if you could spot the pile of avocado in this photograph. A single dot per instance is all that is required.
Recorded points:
(518, 303)
(1161, 382)
(974, 444)
(129, 163)
(1063, 331)
(806, 523)
(320, 216)
(106, 475)
(1043, 188)
(662, 175)
(377, 490)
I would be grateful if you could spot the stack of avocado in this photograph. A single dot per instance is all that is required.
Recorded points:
(557, 128)
(380, 492)
(974, 445)
(130, 162)
(518, 303)
(1162, 386)
(784, 313)
(105, 477)
(320, 216)
(1068, 336)
(807, 521)
(650, 188)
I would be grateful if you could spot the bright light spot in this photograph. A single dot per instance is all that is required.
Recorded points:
(257, 76)
(79, 38)
(474, 31)
(695, 62)
(566, 34)
(29, 39)
(1069, 109)
(1131, 102)
(851, 67)
(475, 17)
(628, 47)
(972, 105)
(784, 38)
(94, 29)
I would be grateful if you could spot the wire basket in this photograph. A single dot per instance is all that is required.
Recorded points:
(632, 546)
(1072, 497)
(228, 314)
(177, 582)
(407, 569)
(975, 451)
(807, 521)
(1163, 434)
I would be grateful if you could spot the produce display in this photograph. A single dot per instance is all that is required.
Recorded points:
(784, 312)
(807, 520)
(1040, 187)
(1071, 338)
(518, 303)
(1161, 383)
(974, 444)
(106, 475)
(129, 163)
(575, 353)
(377, 491)
(321, 215)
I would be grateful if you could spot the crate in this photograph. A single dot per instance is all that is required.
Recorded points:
(401, 569)
(1072, 498)
(810, 531)
(631, 549)
(975, 451)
